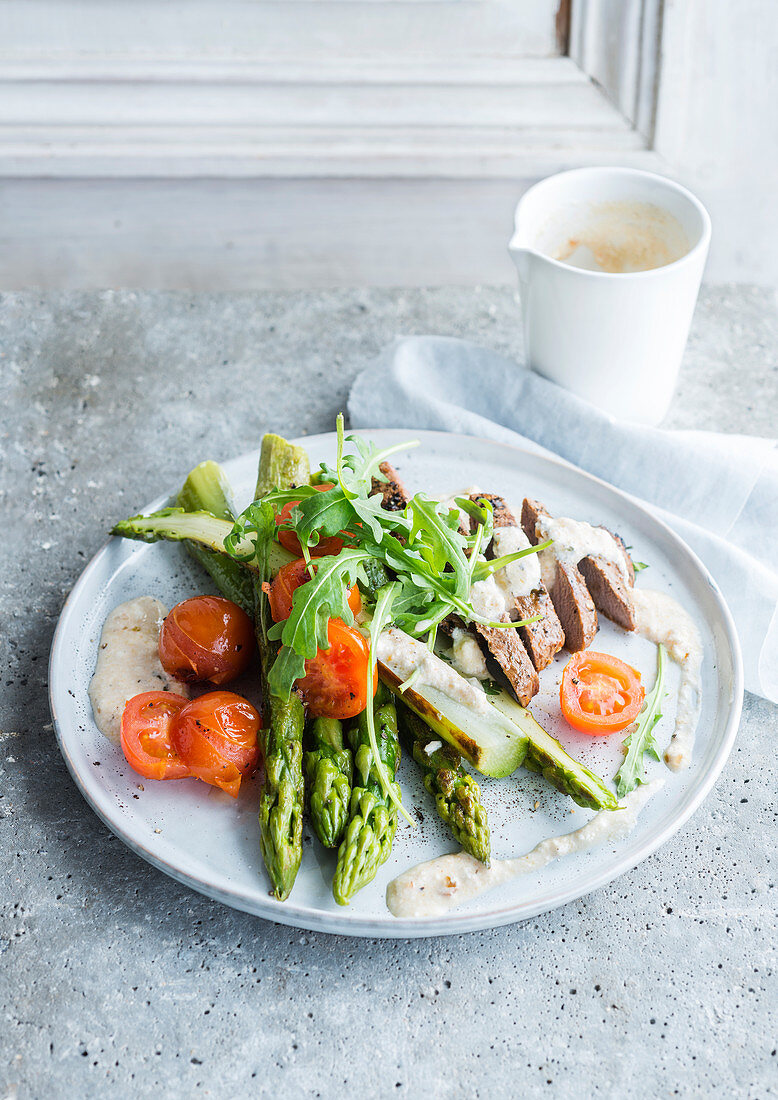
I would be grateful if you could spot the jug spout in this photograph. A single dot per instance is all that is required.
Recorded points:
(523, 257)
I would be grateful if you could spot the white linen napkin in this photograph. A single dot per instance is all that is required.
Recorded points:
(719, 492)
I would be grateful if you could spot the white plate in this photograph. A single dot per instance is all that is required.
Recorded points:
(208, 841)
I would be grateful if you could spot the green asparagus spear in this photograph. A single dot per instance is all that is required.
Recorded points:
(282, 465)
(281, 801)
(176, 525)
(206, 489)
(457, 795)
(372, 817)
(328, 769)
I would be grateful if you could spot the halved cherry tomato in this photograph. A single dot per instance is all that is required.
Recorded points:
(216, 736)
(335, 681)
(287, 580)
(600, 694)
(206, 638)
(147, 726)
(330, 544)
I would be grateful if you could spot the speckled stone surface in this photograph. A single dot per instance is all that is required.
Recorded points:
(115, 981)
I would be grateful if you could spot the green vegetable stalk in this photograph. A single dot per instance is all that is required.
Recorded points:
(282, 465)
(281, 800)
(372, 816)
(457, 795)
(206, 489)
(328, 769)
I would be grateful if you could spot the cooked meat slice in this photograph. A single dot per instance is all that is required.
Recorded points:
(503, 648)
(566, 586)
(395, 497)
(507, 650)
(531, 511)
(609, 590)
(605, 582)
(543, 639)
(574, 606)
(627, 559)
(503, 516)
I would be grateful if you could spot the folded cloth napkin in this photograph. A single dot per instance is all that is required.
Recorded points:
(719, 492)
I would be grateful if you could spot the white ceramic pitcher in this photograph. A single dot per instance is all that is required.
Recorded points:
(616, 339)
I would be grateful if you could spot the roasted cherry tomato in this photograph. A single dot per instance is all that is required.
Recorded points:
(147, 727)
(330, 544)
(206, 638)
(287, 580)
(335, 681)
(600, 694)
(216, 736)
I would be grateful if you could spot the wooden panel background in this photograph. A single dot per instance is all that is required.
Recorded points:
(321, 142)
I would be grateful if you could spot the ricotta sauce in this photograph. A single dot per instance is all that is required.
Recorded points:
(128, 662)
(495, 597)
(433, 888)
(520, 577)
(466, 655)
(403, 655)
(662, 619)
(573, 540)
(490, 600)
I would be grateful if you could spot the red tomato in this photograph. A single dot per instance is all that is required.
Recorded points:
(216, 735)
(287, 580)
(206, 638)
(147, 726)
(600, 694)
(335, 681)
(328, 545)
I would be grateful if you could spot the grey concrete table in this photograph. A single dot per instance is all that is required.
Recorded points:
(116, 981)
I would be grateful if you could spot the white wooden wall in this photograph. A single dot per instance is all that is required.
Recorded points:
(717, 126)
(264, 143)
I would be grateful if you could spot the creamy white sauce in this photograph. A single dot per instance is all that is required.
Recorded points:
(489, 600)
(495, 597)
(404, 655)
(467, 656)
(128, 662)
(520, 577)
(433, 888)
(574, 540)
(662, 619)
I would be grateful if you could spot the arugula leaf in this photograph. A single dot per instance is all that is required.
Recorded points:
(257, 524)
(491, 687)
(438, 544)
(314, 603)
(484, 569)
(321, 514)
(641, 740)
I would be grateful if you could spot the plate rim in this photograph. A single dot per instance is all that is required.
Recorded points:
(454, 922)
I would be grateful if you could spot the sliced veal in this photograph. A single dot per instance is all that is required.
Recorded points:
(566, 586)
(610, 585)
(395, 496)
(592, 555)
(544, 638)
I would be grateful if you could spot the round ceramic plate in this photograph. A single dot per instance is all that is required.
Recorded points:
(209, 841)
